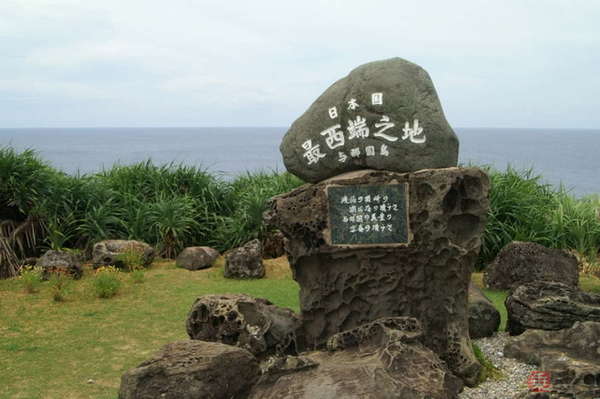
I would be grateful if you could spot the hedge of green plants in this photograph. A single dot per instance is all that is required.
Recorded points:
(174, 206)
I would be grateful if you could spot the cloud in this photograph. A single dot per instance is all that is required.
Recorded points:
(263, 62)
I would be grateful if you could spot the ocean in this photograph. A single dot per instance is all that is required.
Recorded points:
(567, 156)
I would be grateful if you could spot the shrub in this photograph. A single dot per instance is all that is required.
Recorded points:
(60, 286)
(106, 282)
(132, 260)
(31, 277)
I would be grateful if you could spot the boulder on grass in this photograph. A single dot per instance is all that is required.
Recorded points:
(381, 359)
(252, 323)
(522, 262)
(484, 318)
(192, 370)
(548, 305)
(110, 252)
(197, 258)
(245, 261)
(570, 356)
(60, 262)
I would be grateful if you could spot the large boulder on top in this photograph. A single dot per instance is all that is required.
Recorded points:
(245, 261)
(548, 305)
(382, 359)
(196, 258)
(384, 115)
(522, 262)
(570, 358)
(254, 324)
(60, 262)
(192, 370)
(110, 252)
(484, 318)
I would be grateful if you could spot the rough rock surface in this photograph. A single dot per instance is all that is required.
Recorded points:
(548, 305)
(106, 253)
(484, 318)
(408, 95)
(251, 323)
(53, 262)
(522, 262)
(378, 360)
(192, 370)
(245, 261)
(345, 287)
(274, 245)
(196, 258)
(571, 356)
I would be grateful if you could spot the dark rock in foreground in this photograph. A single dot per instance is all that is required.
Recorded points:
(383, 359)
(342, 287)
(484, 318)
(523, 262)
(384, 115)
(251, 323)
(192, 370)
(196, 258)
(245, 261)
(109, 252)
(570, 356)
(60, 262)
(548, 305)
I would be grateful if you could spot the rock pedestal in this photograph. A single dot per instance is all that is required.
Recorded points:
(345, 286)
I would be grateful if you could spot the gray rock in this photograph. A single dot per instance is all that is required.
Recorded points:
(570, 356)
(254, 324)
(549, 305)
(60, 262)
(108, 252)
(192, 370)
(484, 318)
(522, 262)
(408, 98)
(273, 244)
(197, 258)
(342, 287)
(245, 261)
(375, 362)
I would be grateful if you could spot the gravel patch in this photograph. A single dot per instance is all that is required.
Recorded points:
(515, 372)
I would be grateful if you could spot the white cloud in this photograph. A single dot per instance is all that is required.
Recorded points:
(214, 58)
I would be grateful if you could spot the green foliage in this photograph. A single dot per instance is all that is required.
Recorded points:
(132, 260)
(60, 286)
(31, 278)
(173, 206)
(106, 282)
(488, 370)
(523, 208)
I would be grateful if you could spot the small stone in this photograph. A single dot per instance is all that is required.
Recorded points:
(484, 318)
(196, 258)
(245, 261)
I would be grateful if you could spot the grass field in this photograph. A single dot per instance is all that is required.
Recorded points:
(79, 348)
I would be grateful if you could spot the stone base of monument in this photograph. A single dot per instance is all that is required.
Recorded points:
(371, 244)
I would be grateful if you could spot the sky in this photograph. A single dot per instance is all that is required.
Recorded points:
(509, 63)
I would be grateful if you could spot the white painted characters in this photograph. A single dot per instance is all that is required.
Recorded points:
(412, 133)
(335, 137)
(358, 130)
(313, 153)
(377, 99)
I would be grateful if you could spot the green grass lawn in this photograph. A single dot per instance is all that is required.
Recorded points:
(51, 350)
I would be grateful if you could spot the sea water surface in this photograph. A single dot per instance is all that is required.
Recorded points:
(567, 156)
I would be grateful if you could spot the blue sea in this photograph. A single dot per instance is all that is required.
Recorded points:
(567, 156)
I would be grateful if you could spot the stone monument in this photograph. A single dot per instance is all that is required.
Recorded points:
(388, 225)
